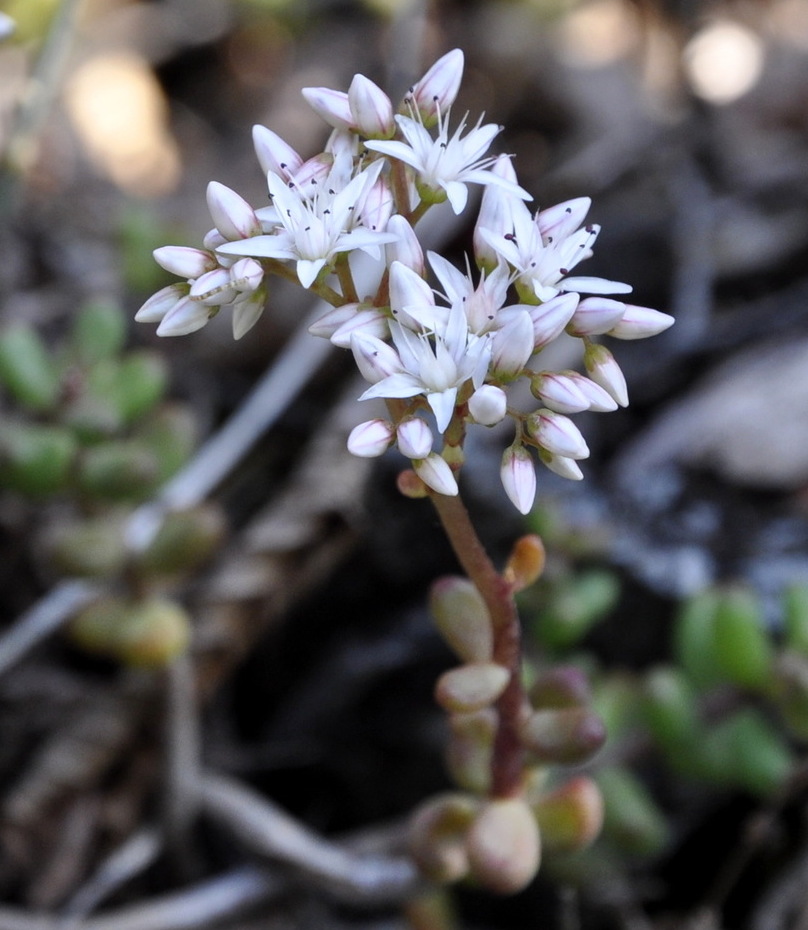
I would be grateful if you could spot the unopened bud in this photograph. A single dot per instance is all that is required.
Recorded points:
(435, 472)
(232, 215)
(437, 89)
(518, 475)
(371, 438)
(604, 370)
(371, 109)
(557, 434)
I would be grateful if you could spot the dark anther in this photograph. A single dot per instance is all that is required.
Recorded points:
(564, 270)
(549, 240)
(283, 165)
(510, 237)
(590, 229)
(568, 210)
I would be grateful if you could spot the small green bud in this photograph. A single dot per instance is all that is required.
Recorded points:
(35, 459)
(568, 736)
(471, 687)
(631, 818)
(462, 618)
(570, 817)
(576, 606)
(504, 846)
(437, 837)
(99, 331)
(743, 649)
(27, 369)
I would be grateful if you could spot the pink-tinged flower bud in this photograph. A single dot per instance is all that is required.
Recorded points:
(557, 434)
(213, 288)
(213, 239)
(511, 347)
(246, 275)
(550, 318)
(247, 312)
(641, 322)
(368, 320)
(374, 359)
(407, 248)
(371, 109)
(561, 465)
(274, 154)
(183, 261)
(187, 316)
(437, 89)
(370, 439)
(232, 215)
(518, 476)
(604, 370)
(599, 400)
(488, 405)
(504, 846)
(558, 222)
(414, 438)
(595, 316)
(435, 472)
(332, 319)
(331, 105)
(559, 392)
(159, 304)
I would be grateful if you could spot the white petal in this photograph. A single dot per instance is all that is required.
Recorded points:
(436, 473)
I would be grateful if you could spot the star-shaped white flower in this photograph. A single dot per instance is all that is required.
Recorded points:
(435, 365)
(543, 249)
(444, 165)
(315, 227)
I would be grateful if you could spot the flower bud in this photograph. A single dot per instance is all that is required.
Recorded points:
(561, 466)
(518, 476)
(504, 847)
(471, 687)
(376, 205)
(213, 288)
(369, 321)
(571, 817)
(437, 89)
(159, 304)
(595, 315)
(599, 400)
(371, 109)
(462, 618)
(435, 472)
(186, 316)
(495, 214)
(566, 735)
(183, 261)
(414, 438)
(604, 370)
(330, 105)
(370, 439)
(374, 359)
(558, 392)
(232, 215)
(437, 836)
(550, 318)
(525, 563)
(488, 405)
(640, 323)
(247, 311)
(557, 434)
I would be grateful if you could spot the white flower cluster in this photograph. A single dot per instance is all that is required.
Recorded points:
(452, 355)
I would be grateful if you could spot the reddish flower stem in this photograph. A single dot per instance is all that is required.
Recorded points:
(508, 757)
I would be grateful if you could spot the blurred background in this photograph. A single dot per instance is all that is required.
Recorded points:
(311, 656)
